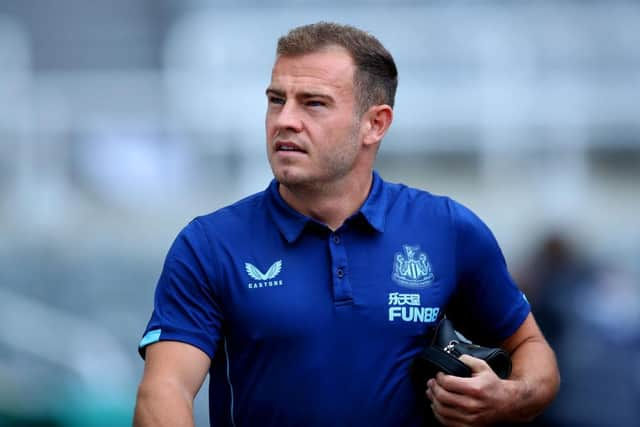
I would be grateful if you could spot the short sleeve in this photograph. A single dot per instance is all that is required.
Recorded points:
(487, 306)
(186, 308)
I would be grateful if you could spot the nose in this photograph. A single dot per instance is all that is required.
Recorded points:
(288, 118)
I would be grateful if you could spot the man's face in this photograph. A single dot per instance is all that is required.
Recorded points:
(311, 124)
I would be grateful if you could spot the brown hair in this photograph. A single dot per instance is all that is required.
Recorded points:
(376, 77)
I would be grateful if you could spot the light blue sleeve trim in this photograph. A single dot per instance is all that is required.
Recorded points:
(150, 337)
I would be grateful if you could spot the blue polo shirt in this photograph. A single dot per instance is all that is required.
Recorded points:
(311, 327)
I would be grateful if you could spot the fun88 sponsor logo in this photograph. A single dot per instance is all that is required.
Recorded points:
(407, 308)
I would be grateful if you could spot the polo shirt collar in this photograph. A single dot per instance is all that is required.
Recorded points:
(291, 223)
(376, 205)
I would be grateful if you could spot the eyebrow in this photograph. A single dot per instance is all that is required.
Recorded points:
(303, 95)
(271, 91)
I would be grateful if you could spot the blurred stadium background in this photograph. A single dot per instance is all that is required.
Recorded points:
(122, 120)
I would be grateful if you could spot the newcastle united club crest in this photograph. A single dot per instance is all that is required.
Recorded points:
(412, 269)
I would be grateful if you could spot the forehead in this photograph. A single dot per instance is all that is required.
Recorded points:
(330, 68)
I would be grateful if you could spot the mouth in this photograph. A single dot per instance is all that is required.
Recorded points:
(288, 147)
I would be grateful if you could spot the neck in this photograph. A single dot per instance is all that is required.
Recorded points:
(331, 203)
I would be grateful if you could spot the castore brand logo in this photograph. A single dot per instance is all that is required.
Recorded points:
(264, 280)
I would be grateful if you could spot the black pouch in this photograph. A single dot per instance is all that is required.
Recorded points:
(443, 352)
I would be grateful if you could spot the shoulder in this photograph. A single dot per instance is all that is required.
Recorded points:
(410, 205)
(201, 244)
(207, 231)
(417, 199)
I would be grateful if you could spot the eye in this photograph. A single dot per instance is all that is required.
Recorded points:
(276, 100)
(316, 103)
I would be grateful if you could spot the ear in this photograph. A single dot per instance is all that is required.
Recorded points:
(376, 122)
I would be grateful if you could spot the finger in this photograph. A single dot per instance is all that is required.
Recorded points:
(447, 419)
(476, 365)
(438, 416)
(437, 393)
(458, 385)
(451, 383)
(450, 416)
(430, 384)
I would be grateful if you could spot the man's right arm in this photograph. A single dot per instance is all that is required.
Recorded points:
(173, 374)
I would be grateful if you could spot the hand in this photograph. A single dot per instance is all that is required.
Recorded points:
(480, 400)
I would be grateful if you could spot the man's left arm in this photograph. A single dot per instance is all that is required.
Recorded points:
(485, 399)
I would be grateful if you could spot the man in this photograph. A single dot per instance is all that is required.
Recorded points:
(308, 302)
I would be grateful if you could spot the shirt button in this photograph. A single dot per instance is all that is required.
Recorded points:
(336, 239)
(340, 272)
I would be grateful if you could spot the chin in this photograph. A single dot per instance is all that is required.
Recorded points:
(282, 174)
(290, 178)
